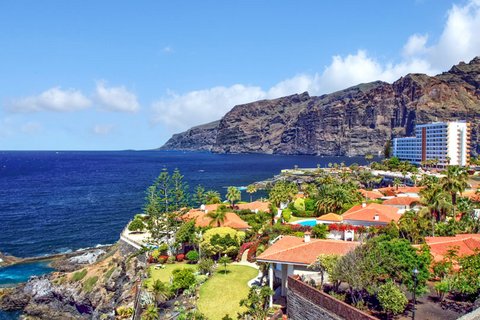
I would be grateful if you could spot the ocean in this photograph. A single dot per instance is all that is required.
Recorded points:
(53, 202)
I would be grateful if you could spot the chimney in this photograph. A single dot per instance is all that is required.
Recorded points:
(364, 204)
(375, 217)
(306, 236)
(206, 211)
(202, 207)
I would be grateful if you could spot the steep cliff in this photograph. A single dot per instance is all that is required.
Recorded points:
(354, 121)
(199, 138)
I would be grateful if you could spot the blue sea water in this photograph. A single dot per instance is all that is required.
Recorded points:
(58, 201)
(22, 272)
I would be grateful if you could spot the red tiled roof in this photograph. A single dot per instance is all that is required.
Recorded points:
(331, 217)
(203, 220)
(291, 249)
(401, 201)
(370, 194)
(255, 205)
(465, 244)
(472, 195)
(385, 213)
(391, 191)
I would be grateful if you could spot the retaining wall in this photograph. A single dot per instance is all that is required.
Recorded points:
(306, 302)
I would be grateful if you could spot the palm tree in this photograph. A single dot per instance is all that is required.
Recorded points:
(212, 197)
(218, 217)
(151, 313)
(437, 200)
(397, 182)
(225, 260)
(161, 291)
(281, 192)
(251, 189)
(233, 194)
(455, 181)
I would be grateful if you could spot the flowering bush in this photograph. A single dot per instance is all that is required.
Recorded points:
(343, 227)
(162, 259)
(180, 257)
(242, 249)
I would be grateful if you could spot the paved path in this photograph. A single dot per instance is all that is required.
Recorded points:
(244, 262)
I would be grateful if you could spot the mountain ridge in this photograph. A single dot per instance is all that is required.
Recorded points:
(354, 121)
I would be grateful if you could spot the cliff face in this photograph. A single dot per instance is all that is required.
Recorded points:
(200, 138)
(354, 121)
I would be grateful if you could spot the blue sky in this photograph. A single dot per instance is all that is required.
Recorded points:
(111, 75)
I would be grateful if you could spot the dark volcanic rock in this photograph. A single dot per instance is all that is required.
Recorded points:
(354, 121)
(200, 138)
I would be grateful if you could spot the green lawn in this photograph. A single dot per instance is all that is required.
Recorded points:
(164, 274)
(293, 218)
(222, 293)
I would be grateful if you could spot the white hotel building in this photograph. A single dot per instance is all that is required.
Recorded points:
(445, 141)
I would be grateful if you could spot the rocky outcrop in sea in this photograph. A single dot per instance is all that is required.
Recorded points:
(96, 283)
(354, 121)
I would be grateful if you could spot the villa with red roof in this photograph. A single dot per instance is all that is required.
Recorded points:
(371, 195)
(393, 191)
(372, 214)
(464, 244)
(202, 219)
(255, 206)
(403, 203)
(292, 255)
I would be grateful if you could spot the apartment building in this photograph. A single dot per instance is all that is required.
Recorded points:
(448, 142)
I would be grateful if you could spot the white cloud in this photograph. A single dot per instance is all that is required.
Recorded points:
(102, 129)
(31, 127)
(460, 38)
(459, 41)
(197, 107)
(116, 98)
(415, 45)
(54, 99)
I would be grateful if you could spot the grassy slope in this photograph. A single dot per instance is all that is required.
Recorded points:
(165, 274)
(222, 293)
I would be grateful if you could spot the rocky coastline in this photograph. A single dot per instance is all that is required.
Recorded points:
(89, 284)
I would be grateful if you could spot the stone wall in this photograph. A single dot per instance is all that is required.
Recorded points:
(127, 249)
(305, 302)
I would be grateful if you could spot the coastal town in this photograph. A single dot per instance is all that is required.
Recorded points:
(396, 238)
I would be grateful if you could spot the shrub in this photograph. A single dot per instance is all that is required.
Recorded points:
(171, 259)
(124, 312)
(79, 275)
(155, 254)
(442, 288)
(180, 257)
(299, 204)
(252, 252)
(391, 298)
(89, 283)
(192, 256)
(200, 279)
(286, 215)
(182, 278)
(163, 248)
(205, 266)
(320, 231)
(136, 225)
(162, 259)
(298, 234)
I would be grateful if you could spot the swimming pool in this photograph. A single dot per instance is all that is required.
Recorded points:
(307, 222)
